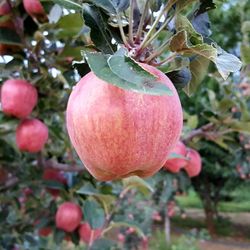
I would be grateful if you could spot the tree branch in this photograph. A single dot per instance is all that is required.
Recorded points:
(10, 182)
(204, 131)
(63, 167)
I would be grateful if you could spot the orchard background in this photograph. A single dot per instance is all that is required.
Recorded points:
(51, 45)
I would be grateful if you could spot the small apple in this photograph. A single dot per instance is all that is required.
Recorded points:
(175, 164)
(5, 8)
(193, 167)
(33, 7)
(68, 216)
(18, 97)
(31, 135)
(85, 233)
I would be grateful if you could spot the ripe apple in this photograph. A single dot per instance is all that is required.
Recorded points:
(18, 98)
(68, 216)
(85, 233)
(54, 175)
(5, 8)
(33, 7)
(31, 135)
(193, 166)
(118, 133)
(175, 164)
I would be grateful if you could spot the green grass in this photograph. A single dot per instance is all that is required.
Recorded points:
(223, 227)
(240, 203)
(158, 242)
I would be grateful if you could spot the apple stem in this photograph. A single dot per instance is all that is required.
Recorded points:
(131, 24)
(167, 60)
(142, 20)
(164, 9)
(119, 22)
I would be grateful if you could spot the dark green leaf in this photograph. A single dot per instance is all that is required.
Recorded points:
(103, 244)
(180, 78)
(8, 36)
(53, 184)
(69, 4)
(93, 214)
(99, 65)
(99, 33)
(206, 5)
(112, 6)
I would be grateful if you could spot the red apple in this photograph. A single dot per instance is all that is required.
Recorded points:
(85, 233)
(45, 231)
(121, 237)
(5, 8)
(118, 133)
(18, 98)
(68, 216)
(54, 175)
(33, 7)
(31, 135)
(193, 167)
(175, 164)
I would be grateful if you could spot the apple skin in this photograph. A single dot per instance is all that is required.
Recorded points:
(118, 133)
(5, 8)
(193, 167)
(68, 216)
(54, 175)
(33, 7)
(85, 233)
(18, 98)
(174, 165)
(31, 135)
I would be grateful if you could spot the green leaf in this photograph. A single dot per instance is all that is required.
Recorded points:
(137, 183)
(93, 214)
(69, 4)
(199, 69)
(99, 33)
(180, 78)
(8, 36)
(227, 63)
(54, 184)
(59, 236)
(245, 53)
(104, 244)
(182, 23)
(112, 6)
(69, 25)
(99, 65)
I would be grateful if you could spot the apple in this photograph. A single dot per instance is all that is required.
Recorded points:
(121, 237)
(54, 175)
(68, 216)
(175, 164)
(5, 8)
(85, 233)
(45, 231)
(118, 133)
(193, 166)
(31, 135)
(33, 7)
(18, 98)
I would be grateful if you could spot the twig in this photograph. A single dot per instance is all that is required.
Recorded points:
(203, 131)
(131, 23)
(63, 167)
(124, 39)
(9, 183)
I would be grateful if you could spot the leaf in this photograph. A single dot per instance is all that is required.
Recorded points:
(245, 54)
(199, 69)
(206, 5)
(227, 63)
(59, 236)
(55, 13)
(69, 25)
(180, 78)
(182, 23)
(106, 199)
(202, 25)
(99, 33)
(138, 183)
(180, 5)
(93, 214)
(192, 121)
(99, 65)
(8, 36)
(112, 6)
(69, 4)
(53, 184)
